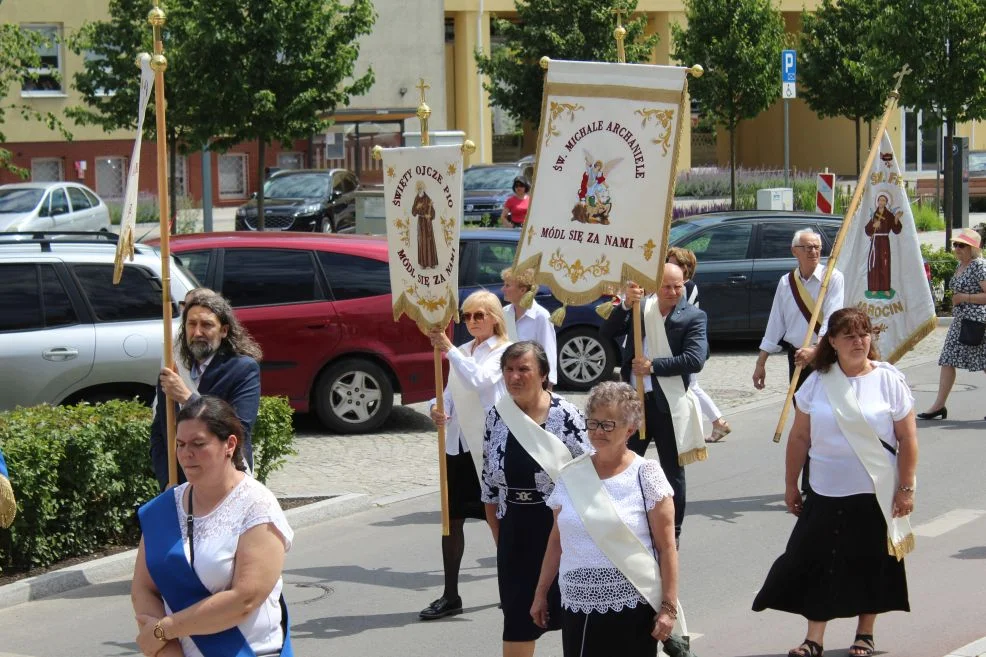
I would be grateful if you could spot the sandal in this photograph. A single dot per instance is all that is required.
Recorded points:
(864, 650)
(719, 432)
(808, 648)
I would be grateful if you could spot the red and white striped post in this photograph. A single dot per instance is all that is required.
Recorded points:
(825, 192)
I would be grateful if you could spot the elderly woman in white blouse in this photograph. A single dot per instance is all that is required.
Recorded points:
(603, 613)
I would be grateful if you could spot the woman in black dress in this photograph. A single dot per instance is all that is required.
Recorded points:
(514, 488)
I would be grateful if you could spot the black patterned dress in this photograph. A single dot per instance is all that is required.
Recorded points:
(514, 481)
(953, 352)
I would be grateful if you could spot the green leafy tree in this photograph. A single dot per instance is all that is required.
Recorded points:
(18, 55)
(739, 44)
(578, 30)
(836, 79)
(943, 45)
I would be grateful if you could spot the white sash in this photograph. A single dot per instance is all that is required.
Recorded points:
(543, 446)
(689, 434)
(611, 535)
(510, 319)
(471, 415)
(873, 455)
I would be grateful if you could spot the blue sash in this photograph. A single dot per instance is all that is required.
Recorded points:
(180, 587)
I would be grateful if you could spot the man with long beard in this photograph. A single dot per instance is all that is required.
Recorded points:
(222, 359)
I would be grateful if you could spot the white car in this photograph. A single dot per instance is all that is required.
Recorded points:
(51, 206)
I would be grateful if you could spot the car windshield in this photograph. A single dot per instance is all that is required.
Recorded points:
(478, 178)
(298, 185)
(977, 162)
(680, 229)
(19, 199)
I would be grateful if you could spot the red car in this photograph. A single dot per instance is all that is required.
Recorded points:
(320, 307)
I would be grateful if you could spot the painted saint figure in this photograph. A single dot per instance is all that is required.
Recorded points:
(881, 224)
(424, 210)
(593, 182)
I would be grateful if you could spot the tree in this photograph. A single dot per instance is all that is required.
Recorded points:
(577, 30)
(238, 70)
(18, 56)
(739, 43)
(943, 45)
(836, 78)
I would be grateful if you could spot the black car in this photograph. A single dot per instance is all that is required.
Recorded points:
(311, 200)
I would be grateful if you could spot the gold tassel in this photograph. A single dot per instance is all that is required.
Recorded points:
(605, 309)
(902, 548)
(8, 505)
(527, 300)
(558, 316)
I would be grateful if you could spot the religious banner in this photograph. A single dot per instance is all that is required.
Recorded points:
(423, 197)
(604, 183)
(882, 264)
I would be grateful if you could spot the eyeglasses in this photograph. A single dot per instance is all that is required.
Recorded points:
(809, 247)
(959, 245)
(477, 316)
(605, 425)
(852, 337)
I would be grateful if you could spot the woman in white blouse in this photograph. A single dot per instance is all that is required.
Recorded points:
(475, 384)
(602, 612)
(209, 564)
(844, 559)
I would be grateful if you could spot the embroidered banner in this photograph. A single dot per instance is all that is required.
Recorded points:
(604, 183)
(423, 197)
(882, 264)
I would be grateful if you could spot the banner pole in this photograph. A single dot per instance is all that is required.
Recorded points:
(837, 247)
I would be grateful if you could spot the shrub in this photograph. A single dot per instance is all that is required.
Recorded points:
(147, 210)
(926, 217)
(273, 435)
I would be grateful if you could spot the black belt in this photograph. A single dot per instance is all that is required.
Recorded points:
(524, 496)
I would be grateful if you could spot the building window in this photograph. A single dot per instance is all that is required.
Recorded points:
(449, 30)
(45, 80)
(290, 161)
(111, 176)
(90, 56)
(233, 175)
(47, 169)
(921, 144)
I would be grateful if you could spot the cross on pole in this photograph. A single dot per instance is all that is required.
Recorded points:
(899, 76)
(422, 86)
(619, 16)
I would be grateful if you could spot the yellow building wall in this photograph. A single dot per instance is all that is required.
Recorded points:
(69, 16)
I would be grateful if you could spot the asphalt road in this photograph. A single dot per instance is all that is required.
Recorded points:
(355, 584)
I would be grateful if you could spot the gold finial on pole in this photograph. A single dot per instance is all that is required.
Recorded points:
(423, 111)
(620, 34)
(468, 147)
(377, 153)
(544, 62)
(696, 71)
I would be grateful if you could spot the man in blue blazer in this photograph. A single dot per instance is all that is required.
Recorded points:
(223, 360)
(686, 329)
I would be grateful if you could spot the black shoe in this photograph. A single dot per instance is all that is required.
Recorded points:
(441, 608)
(934, 415)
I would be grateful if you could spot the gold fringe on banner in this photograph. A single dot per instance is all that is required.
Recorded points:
(8, 504)
(695, 455)
(902, 548)
(916, 337)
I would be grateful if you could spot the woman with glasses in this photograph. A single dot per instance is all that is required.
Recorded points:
(855, 419)
(530, 434)
(474, 385)
(964, 345)
(603, 613)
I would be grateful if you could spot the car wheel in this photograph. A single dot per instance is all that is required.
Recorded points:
(583, 359)
(327, 225)
(353, 396)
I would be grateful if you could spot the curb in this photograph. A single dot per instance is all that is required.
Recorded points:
(99, 571)
(945, 321)
(974, 649)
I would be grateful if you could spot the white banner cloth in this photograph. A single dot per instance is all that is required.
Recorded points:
(604, 183)
(882, 264)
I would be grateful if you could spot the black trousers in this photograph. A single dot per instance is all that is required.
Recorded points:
(805, 372)
(660, 429)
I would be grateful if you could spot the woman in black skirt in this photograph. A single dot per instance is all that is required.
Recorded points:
(837, 564)
(514, 489)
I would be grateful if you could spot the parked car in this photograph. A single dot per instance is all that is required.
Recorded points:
(67, 333)
(485, 188)
(309, 200)
(321, 309)
(51, 206)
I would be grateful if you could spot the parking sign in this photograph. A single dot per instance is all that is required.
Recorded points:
(789, 73)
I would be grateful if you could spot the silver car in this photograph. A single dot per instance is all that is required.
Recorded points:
(67, 334)
(51, 206)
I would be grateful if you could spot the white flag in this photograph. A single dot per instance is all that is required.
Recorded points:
(423, 197)
(128, 218)
(882, 264)
(604, 185)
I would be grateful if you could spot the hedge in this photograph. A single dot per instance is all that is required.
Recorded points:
(80, 472)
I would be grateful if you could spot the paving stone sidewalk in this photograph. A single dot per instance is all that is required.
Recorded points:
(402, 456)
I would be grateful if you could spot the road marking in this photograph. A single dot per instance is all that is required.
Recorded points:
(947, 522)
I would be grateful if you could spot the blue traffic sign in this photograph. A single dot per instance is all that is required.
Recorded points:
(789, 66)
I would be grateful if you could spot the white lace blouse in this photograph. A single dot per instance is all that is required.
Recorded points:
(588, 580)
(217, 535)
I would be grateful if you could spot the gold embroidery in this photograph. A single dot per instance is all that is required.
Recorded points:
(403, 225)
(448, 230)
(557, 109)
(665, 118)
(577, 271)
(648, 249)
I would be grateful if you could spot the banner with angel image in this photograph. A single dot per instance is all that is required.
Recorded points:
(423, 198)
(604, 183)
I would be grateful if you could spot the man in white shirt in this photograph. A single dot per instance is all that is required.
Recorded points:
(533, 323)
(793, 304)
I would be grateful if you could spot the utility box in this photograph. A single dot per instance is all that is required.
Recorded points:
(371, 214)
(960, 182)
(775, 198)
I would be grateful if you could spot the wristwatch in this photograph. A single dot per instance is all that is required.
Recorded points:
(159, 632)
